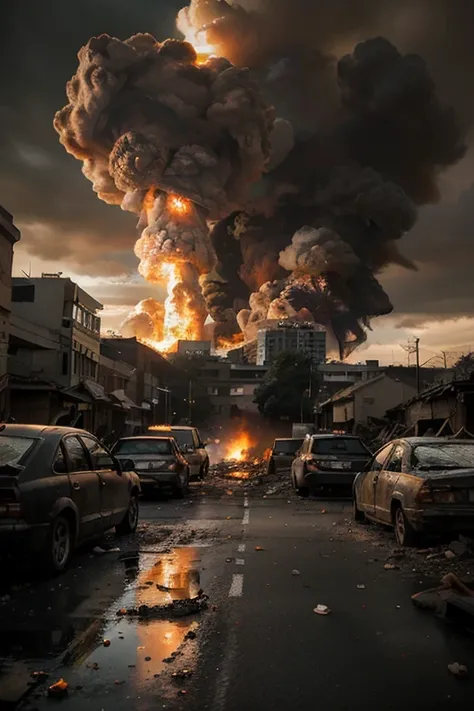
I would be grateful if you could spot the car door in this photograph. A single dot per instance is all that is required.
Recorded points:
(85, 486)
(366, 496)
(114, 494)
(386, 482)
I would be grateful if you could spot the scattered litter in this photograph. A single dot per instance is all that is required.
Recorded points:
(458, 547)
(182, 674)
(391, 566)
(323, 511)
(295, 572)
(322, 610)
(259, 548)
(98, 550)
(229, 560)
(182, 692)
(106, 642)
(190, 635)
(59, 689)
(449, 554)
(118, 682)
(39, 675)
(397, 553)
(458, 670)
(227, 518)
(176, 608)
(361, 587)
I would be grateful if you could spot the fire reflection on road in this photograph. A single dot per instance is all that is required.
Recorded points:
(139, 650)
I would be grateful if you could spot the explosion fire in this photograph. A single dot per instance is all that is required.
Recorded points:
(239, 447)
(271, 181)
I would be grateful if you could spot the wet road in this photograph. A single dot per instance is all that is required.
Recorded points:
(259, 645)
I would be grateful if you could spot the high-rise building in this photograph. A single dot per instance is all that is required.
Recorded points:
(275, 337)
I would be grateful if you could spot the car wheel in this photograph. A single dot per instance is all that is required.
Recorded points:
(59, 547)
(181, 489)
(130, 520)
(405, 534)
(357, 514)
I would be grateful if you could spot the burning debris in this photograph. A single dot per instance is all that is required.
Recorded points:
(247, 215)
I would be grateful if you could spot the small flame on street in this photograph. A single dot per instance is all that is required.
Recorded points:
(238, 448)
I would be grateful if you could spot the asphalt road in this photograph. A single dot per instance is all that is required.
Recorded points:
(259, 645)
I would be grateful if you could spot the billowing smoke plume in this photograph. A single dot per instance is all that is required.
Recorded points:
(305, 208)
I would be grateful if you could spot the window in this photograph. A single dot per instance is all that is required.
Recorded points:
(396, 459)
(13, 450)
(60, 464)
(338, 445)
(23, 293)
(380, 458)
(143, 446)
(444, 456)
(101, 459)
(65, 363)
(287, 446)
(76, 455)
(182, 437)
(236, 391)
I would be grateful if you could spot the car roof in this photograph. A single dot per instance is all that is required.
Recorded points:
(152, 439)
(331, 435)
(287, 439)
(414, 441)
(156, 428)
(43, 431)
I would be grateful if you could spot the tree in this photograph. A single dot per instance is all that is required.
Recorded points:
(464, 367)
(285, 389)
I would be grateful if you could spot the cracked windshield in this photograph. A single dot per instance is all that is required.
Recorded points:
(236, 379)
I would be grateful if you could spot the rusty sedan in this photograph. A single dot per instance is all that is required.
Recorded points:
(158, 462)
(418, 484)
(60, 487)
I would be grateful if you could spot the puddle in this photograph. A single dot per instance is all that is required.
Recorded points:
(130, 664)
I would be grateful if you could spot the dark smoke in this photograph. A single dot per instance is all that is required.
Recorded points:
(309, 211)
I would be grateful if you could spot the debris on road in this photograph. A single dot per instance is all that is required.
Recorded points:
(59, 689)
(391, 566)
(449, 554)
(458, 670)
(259, 548)
(182, 674)
(106, 642)
(176, 608)
(322, 610)
(39, 675)
(295, 572)
(361, 587)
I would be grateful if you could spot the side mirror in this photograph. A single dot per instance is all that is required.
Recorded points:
(188, 449)
(125, 465)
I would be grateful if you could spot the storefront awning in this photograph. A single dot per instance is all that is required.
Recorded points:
(124, 400)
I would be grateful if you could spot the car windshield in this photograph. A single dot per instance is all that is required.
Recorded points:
(338, 445)
(287, 446)
(13, 450)
(444, 456)
(143, 446)
(182, 437)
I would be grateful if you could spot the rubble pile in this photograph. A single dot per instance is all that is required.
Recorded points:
(173, 609)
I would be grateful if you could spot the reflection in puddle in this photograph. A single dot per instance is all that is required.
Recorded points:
(137, 648)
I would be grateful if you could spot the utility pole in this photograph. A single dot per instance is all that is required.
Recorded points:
(417, 353)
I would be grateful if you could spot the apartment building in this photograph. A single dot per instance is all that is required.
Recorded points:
(275, 337)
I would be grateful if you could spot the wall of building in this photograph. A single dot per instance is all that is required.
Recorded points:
(375, 398)
(271, 341)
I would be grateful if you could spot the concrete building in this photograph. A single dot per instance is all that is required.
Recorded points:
(275, 337)
(362, 402)
(9, 236)
(194, 348)
(54, 353)
(230, 387)
(55, 330)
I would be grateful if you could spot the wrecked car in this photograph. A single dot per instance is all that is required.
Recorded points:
(418, 485)
(328, 461)
(60, 487)
(157, 461)
(191, 445)
(282, 454)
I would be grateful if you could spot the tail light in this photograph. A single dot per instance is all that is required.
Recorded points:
(428, 495)
(9, 506)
